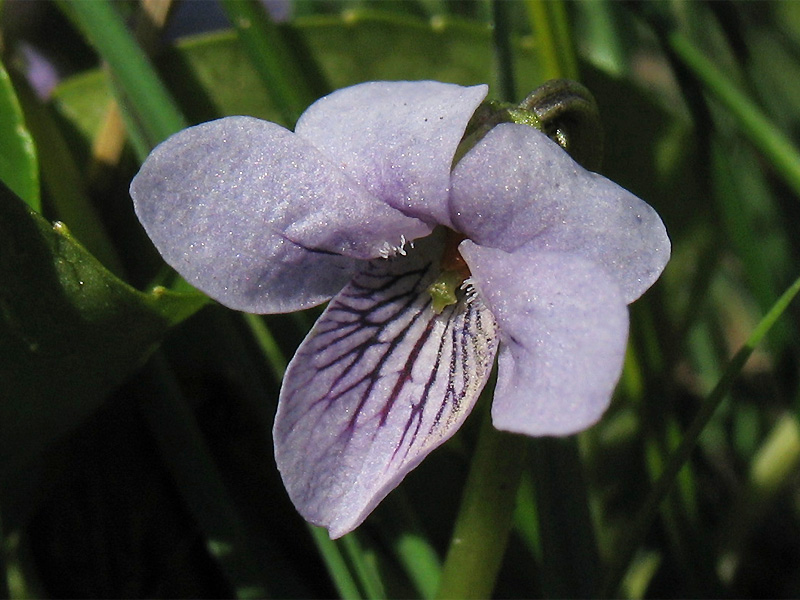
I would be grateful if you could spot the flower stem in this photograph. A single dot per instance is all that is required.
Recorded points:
(485, 516)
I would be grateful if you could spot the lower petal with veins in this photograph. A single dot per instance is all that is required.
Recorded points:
(380, 381)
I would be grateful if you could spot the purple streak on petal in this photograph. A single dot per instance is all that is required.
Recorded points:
(397, 138)
(257, 218)
(518, 188)
(563, 329)
(379, 383)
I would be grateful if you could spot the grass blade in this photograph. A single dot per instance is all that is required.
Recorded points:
(272, 57)
(105, 30)
(764, 135)
(678, 458)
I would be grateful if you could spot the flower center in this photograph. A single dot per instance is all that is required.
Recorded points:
(454, 272)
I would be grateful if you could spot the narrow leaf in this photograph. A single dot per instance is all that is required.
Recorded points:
(764, 135)
(273, 58)
(105, 30)
(19, 168)
(678, 458)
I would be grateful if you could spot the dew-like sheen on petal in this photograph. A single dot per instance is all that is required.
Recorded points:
(519, 188)
(259, 219)
(563, 329)
(397, 138)
(380, 381)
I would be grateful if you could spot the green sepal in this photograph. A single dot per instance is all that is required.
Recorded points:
(564, 110)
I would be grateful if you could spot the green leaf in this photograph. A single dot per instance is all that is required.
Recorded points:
(141, 86)
(211, 75)
(276, 61)
(369, 46)
(63, 181)
(69, 332)
(19, 168)
(680, 456)
(768, 138)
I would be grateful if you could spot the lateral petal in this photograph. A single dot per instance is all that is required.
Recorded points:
(259, 219)
(396, 138)
(563, 329)
(518, 188)
(379, 382)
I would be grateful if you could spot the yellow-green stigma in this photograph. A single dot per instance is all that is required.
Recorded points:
(443, 290)
(454, 272)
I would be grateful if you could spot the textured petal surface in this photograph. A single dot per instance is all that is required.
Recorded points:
(518, 188)
(397, 138)
(563, 330)
(380, 381)
(257, 218)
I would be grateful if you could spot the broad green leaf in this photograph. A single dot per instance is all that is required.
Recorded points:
(69, 332)
(83, 101)
(366, 46)
(19, 168)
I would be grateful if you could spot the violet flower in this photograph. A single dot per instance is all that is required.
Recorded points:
(362, 204)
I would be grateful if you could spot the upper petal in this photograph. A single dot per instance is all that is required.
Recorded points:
(563, 329)
(258, 218)
(518, 188)
(396, 138)
(379, 382)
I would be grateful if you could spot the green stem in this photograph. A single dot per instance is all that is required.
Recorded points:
(271, 351)
(485, 516)
(681, 455)
(488, 503)
(363, 567)
(337, 566)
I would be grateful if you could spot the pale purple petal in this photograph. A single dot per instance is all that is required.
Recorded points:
(257, 218)
(563, 329)
(518, 188)
(397, 138)
(380, 381)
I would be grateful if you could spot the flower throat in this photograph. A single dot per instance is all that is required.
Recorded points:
(453, 275)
